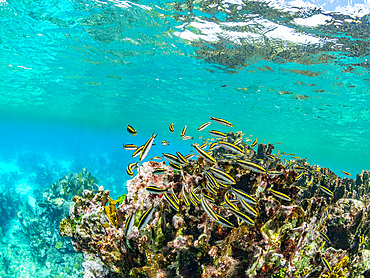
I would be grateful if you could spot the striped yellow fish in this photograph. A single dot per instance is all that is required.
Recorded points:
(147, 147)
(203, 126)
(221, 121)
(145, 218)
(254, 143)
(204, 154)
(129, 147)
(131, 130)
(251, 166)
(171, 127)
(218, 134)
(129, 223)
(280, 195)
(183, 132)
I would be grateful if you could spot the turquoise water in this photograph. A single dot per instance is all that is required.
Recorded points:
(75, 73)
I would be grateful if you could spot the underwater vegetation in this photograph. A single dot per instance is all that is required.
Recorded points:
(29, 230)
(235, 210)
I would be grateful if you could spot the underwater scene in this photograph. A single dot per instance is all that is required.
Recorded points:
(191, 138)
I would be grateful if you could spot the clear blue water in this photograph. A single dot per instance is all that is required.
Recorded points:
(75, 73)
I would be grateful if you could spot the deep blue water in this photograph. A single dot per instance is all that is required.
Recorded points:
(75, 73)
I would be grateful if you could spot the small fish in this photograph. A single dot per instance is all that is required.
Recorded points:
(346, 173)
(211, 183)
(326, 264)
(209, 198)
(299, 168)
(248, 207)
(251, 166)
(145, 218)
(171, 158)
(208, 209)
(271, 157)
(204, 154)
(223, 221)
(324, 237)
(189, 156)
(242, 195)
(192, 199)
(174, 197)
(187, 138)
(175, 166)
(165, 143)
(242, 216)
(171, 201)
(310, 182)
(147, 147)
(203, 146)
(218, 134)
(291, 154)
(228, 146)
(183, 132)
(156, 158)
(159, 171)
(299, 176)
(254, 143)
(223, 176)
(274, 173)
(129, 147)
(229, 203)
(138, 151)
(130, 223)
(156, 190)
(131, 130)
(171, 127)
(327, 212)
(182, 158)
(203, 126)
(221, 121)
(326, 190)
(194, 195)
(280, 195)
(184, 197)
(129, 169)
(221, 184)
(283, 153)
(238, 141)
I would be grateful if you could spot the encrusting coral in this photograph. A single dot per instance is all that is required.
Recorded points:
(299, 220)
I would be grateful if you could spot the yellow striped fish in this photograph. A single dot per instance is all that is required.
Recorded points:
(183, 132)
(131, 130)
(171, 127)
(145, 218)
(204, 154)
(280, 195)
(147, 147)
(129, 147)
(203, 126)
(242, 216)
(130, 223)
(254, 143)
(218, 134)
(251, 166)
(221, 121)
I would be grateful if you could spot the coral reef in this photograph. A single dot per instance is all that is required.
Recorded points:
(299, 220)
(29, 230)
